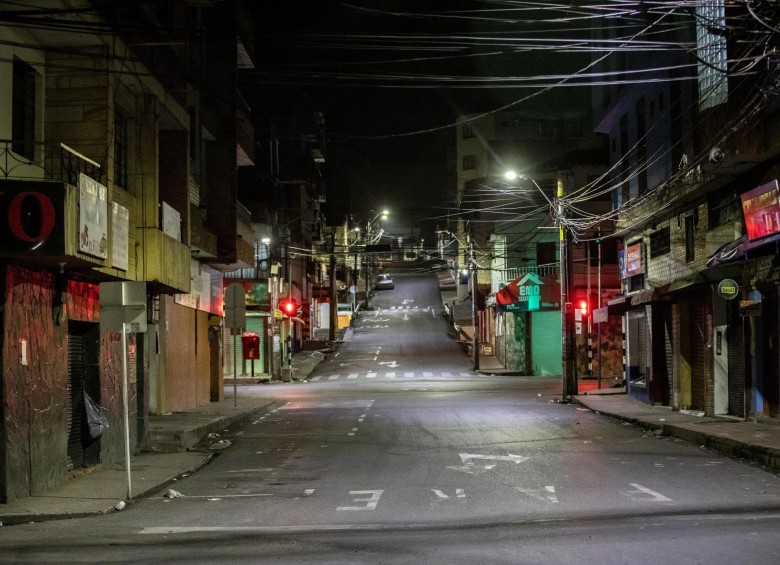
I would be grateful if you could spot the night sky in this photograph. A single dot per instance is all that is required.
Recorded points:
(390, 77)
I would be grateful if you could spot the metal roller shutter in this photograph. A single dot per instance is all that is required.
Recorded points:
(75, 400)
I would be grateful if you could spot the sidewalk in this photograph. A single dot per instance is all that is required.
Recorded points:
(755, 441)
(178, 445)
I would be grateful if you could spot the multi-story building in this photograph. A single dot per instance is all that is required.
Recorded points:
(507, 230)
(122, 132)
(694, 152)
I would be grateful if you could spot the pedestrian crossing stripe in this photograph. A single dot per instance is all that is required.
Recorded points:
(393, 374)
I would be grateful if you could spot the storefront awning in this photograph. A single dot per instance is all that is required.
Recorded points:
(741, 248)
(707, 276)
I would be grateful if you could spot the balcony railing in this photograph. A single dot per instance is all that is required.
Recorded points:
(517, 272)
(52, 161)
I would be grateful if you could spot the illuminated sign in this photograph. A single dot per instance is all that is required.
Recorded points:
(529, 293)
(761, 210)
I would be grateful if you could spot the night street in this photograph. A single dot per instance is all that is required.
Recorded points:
(394, 451)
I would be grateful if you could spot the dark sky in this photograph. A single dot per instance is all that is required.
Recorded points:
(389, 76)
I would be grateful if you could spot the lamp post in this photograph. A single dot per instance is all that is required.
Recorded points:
(382, 215)
(568, 372)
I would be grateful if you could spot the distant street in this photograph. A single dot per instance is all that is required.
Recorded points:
(394, 451)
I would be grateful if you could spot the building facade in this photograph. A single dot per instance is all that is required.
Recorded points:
(118, 165)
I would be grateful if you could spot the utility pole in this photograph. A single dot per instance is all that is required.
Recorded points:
(474, 315)
(569, 384)
(334, 316)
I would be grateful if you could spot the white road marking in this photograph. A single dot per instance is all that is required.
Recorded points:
(392, 364)
(408, 374)
(352, 376)
(547, 494)
(641, 493)
(315, 378)
(446, 374)
(459, 493)
(390, 375)
(371, 501)
(308, 492)
(333, 377)
(371, 375)
(427, 374)
(471, 468)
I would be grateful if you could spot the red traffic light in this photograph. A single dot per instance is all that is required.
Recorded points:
(583, 304)
(288, 306)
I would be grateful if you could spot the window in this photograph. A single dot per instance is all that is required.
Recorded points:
(723, 209)
(660, 242)
(468, 131)
(690, 238)
(545, 253)
(469, 162)
(23, 110)
(120, 150)
(711, 48)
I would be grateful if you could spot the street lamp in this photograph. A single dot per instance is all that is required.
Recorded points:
(383, 214)
(569, 376)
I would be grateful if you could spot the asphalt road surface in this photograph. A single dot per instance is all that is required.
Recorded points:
(394, 451)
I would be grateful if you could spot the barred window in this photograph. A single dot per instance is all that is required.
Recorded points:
(468, 131)
(660, 242)
(120, 150)
(469, 162)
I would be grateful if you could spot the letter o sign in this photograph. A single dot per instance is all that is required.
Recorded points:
(29, 211)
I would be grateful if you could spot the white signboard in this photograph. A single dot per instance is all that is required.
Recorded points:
(171, 221)
(120, 235)
(93, 217)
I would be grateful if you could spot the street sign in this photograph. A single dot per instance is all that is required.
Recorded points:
(235, 307)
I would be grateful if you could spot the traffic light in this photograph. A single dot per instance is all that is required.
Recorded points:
(583, 305)
(289, 307)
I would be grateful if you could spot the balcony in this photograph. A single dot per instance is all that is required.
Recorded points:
(51, 161)
(166, 264)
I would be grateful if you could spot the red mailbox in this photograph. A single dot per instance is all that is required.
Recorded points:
(250, 342)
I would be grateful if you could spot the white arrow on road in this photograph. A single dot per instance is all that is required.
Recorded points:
(407, 301)
(392, 364)
(469, 466)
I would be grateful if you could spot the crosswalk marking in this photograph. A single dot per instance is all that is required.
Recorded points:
(393, 374)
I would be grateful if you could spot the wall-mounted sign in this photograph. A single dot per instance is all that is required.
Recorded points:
(32, 218)
(529, 293)
(93, 217)
(761, 209)
(120, 236)
(634, 259)
(728, 289)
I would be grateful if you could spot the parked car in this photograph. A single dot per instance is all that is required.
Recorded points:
(384, 282)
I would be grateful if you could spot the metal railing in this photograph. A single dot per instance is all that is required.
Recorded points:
(52, 161)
